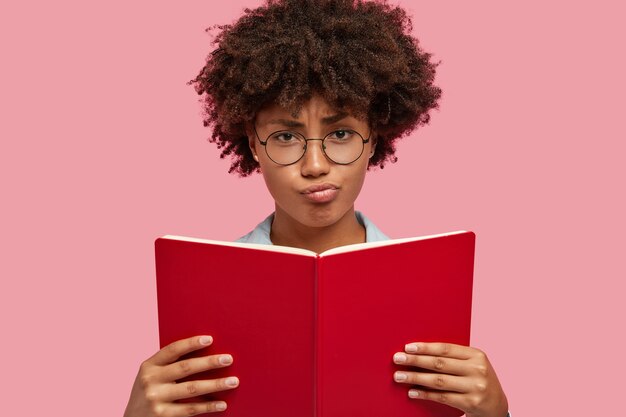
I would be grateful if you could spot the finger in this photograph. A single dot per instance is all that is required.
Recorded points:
(179, 348)
(191, 409)
(437, 381)
(181, 369)
(453, 399)
(434, 363)
(173, 392)
(447, 350)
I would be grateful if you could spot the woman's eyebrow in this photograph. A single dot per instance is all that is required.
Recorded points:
(285, 122)
(332, 119)
(293, 123)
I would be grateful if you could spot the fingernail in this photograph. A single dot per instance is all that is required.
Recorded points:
(414, 393)
(232, 381)
(411, 348)
(206, 340)
(226, 360)
(221, 406)
(400, 358)
(400, 376)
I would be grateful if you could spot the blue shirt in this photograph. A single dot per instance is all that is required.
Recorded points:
(261, 233)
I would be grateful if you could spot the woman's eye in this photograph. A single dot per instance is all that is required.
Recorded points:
(285, 137)
(341, 134)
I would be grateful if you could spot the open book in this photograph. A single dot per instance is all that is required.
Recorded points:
(313, 335)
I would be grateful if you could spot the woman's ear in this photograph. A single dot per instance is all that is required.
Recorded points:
(251, 141)
(374, 141)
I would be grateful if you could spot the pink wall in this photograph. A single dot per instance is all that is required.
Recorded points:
(103, 150)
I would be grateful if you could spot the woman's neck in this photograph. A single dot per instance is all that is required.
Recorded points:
(286, 231)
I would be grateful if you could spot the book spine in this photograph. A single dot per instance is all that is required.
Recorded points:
(317, 384)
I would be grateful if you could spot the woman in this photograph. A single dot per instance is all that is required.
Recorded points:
(312, 93)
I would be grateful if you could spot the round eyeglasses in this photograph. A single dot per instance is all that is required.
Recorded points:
(342, 146)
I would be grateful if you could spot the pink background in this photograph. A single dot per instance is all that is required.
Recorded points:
(103, 150)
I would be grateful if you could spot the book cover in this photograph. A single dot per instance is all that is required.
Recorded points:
(314, 334)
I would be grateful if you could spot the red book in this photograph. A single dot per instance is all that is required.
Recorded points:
(313, 335)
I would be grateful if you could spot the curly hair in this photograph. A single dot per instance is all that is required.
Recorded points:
(358, 55)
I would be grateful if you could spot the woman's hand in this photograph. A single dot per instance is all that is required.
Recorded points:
(462, 377)
(155, 390)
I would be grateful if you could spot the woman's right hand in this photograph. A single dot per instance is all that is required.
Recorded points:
(155, 390)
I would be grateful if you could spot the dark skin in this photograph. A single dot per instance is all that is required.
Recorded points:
(464, 379)
(462, 376)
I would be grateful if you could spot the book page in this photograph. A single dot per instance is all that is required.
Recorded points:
(257, 246)
(368, 245)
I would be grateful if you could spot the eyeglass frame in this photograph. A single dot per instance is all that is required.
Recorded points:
(306, 143)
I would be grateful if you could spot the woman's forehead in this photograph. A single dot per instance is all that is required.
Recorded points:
(315, 107)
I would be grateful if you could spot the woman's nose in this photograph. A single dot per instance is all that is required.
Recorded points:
(314, 161)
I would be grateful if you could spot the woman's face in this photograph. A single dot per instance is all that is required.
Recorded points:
(314, 191)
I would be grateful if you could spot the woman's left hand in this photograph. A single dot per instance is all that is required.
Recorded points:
(462, 377)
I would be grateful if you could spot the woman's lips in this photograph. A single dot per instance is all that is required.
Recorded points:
(323, 193)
